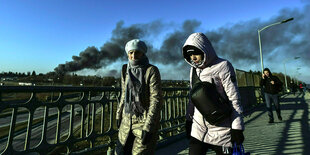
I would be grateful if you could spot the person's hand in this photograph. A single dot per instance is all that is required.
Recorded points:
(146, 137)
(263, 76)
(237, 136)
(118, 123)
(272, 82)
(188, 128)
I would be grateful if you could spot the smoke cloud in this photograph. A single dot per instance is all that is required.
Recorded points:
(111, 51)
(237, 43)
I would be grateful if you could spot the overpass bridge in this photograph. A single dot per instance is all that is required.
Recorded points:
(81, 120)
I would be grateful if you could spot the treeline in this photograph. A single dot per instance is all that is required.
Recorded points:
(18, 74)
(51, 78)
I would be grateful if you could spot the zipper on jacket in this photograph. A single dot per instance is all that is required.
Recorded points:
(204, 135)
(204, 121)
(196, 122)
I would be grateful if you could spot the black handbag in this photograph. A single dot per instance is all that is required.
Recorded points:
(208, 101)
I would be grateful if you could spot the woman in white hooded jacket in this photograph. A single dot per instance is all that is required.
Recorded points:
(199, 53)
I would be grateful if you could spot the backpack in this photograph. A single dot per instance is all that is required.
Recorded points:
(280, 88)
(279, 85)
(208, 101)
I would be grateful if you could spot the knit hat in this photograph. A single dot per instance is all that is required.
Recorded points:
(189, 50)
(194, 51)
(136, 44)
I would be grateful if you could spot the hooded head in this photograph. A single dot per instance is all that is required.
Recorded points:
(267, 71)
(198, 41)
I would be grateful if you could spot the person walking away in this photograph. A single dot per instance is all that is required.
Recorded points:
(271, 85)
(138, 113)
(300, 88)
(293, 87)
(208, 67)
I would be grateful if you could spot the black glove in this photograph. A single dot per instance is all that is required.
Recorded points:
(118, 123)
(146, 137)
(188, 128)
(237, 136)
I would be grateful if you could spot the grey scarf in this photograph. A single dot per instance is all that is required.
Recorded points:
(135, 71)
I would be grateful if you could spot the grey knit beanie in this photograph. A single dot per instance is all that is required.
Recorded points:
(136, 44)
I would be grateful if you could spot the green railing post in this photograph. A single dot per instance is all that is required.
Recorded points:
(110, 151)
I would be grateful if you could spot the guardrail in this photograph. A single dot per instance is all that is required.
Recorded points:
(73, 120)
(79, 120)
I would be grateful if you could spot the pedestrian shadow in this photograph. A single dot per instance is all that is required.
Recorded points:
(294, 139)
(261, 108)
(295, 135)
(178, 147)
(298, 99)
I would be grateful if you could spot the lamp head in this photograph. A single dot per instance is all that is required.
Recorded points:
(287, 20)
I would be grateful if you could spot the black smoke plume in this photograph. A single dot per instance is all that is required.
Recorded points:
(111, 51)
(236, 42)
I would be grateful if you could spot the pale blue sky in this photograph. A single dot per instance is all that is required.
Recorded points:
(40, 34)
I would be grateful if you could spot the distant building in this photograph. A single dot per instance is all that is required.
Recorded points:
(9, 78)
(25, 84)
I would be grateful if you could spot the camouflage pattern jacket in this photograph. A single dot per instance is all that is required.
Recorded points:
(151, 102)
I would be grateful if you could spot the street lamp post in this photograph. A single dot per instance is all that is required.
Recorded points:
(285, 72)
(295, 75)
(259, 40)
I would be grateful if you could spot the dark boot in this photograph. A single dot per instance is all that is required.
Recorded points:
(279, 115)
(270, 120)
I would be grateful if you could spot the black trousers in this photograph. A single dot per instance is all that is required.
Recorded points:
(197, 147)
(127, 149)
(129, 144)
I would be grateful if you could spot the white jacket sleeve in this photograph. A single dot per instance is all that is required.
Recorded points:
(229, 81)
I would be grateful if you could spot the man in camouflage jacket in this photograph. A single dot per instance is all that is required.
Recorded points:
(138, 113)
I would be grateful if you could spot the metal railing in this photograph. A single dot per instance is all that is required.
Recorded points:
(73, 120)
(79, 120)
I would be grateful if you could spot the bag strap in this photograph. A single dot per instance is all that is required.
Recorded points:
(124, 71)
(195, 78)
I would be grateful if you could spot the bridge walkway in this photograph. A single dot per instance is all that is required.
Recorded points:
(289, 136)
